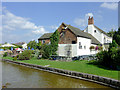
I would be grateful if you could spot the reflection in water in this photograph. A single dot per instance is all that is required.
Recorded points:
(23, 77)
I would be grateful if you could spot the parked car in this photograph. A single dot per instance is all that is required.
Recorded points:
(85, 57)
(75, 58)
(53, 57)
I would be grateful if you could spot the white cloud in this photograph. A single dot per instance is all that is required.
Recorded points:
(53, 27)
(16, 28)
(89, 14)
(112, 6)
(13, 22)
(82, 22)
(40, 30)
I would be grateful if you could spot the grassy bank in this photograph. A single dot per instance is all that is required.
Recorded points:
(79, 66)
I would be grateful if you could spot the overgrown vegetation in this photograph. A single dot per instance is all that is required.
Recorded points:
(5, 54)
(8, 48)
(32, 44)
(116, 35)
(15, 58)
(47, 51)
(25, 55)
(54, 39)
(110, 58)
(50, 49)
(36, 53)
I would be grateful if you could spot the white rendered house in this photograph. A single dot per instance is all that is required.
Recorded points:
(99, 34)
(75, 42)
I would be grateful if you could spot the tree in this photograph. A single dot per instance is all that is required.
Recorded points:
(18, 46)
(32, 44)
(113, 44)
(46, 51)
(116, 36)
(54, 39)
(39, 45)
(5, 42)
(110, 58)
(111, 33)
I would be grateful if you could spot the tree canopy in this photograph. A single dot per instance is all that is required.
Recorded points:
(32, 44)
(54, 39)
(116, 36)
(111, 33)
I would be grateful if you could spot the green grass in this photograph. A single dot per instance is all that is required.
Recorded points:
(79, 66)
(10, 58)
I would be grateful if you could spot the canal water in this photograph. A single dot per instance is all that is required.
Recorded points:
(16, 76)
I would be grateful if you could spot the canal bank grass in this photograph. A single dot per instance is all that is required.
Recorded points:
(79, 66)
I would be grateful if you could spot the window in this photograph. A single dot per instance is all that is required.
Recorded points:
(65, 27)
(62, 34)
(84, 47)
(73, 42)
(43, 41)
(95, 31)
(80, 46)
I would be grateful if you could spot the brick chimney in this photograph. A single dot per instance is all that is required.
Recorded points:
(90, 20)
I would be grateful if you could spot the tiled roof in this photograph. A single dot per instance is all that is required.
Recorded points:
(80, 33)
(101, 30)
(20, 43)
(76, 31)
(45, 36)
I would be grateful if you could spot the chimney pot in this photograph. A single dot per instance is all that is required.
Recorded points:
(90, 20)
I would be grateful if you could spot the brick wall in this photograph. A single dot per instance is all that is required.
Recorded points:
(46, 41)
(68, 36)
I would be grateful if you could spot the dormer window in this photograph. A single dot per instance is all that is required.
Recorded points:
(95, 31)
(62, 34)
(65, 28)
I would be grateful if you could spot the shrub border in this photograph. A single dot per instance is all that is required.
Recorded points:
(73, 74)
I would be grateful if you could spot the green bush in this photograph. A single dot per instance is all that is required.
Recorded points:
(110, 58)
(25, 55)
(15, 58)
(114, 57)
(47, 51)
(5, 54)
(92, 47)
(103, 58)
(5, 48)
(100, 48)
(36, 53)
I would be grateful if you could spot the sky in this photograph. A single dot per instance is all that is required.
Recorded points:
(26, 21)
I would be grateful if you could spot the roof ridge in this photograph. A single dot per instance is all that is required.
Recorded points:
(75, 27)
(101, 30)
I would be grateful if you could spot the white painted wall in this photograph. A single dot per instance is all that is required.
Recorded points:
(90, 29)
(75, 50)
(24, 46)
(107, 39)
(84, 42)
(98, 35)
(63, 52)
